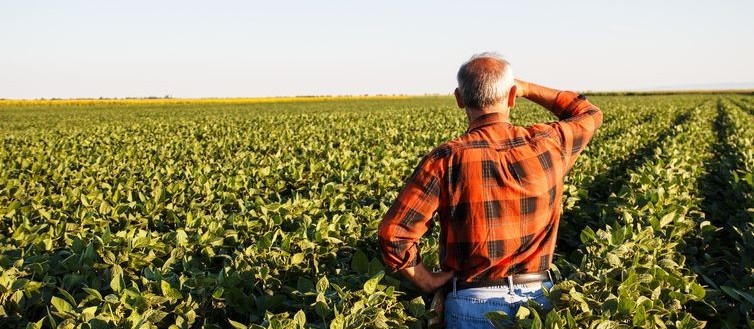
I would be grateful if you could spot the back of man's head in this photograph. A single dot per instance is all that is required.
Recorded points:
(484, 80)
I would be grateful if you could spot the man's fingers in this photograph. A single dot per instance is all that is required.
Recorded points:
(521, 87)
(437, 280)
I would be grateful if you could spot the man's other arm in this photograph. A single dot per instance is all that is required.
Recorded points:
(406, 222)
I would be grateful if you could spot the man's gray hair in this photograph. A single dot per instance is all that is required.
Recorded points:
(483, 85)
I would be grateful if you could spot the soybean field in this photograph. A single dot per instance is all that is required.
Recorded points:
(263, 213)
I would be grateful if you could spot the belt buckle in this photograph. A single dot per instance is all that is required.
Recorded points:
(511, 288)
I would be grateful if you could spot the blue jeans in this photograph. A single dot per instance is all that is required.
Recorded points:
(466, 308)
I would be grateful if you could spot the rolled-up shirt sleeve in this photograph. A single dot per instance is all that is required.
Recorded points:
(408, 218)
(579, 120)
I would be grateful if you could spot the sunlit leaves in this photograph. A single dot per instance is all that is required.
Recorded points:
(219, 214)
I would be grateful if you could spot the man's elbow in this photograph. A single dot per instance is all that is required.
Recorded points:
(593, 112)
(384, 236)
(597, 117)
(383, 239)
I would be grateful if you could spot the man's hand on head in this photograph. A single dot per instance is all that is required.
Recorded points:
(541, 95)
(521, 88)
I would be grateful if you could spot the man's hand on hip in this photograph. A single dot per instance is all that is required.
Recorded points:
(425, 279)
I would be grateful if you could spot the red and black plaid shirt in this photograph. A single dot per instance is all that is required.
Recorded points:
(497, 190)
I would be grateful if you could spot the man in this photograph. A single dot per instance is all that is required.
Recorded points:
(497, 190)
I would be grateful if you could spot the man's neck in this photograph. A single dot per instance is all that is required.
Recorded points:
(473, 114)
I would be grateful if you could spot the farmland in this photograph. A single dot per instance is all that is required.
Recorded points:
(245, 214)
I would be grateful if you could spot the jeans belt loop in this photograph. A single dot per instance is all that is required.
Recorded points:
(510, 285)
(454, 285)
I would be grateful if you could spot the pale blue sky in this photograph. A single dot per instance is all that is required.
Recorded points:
(266, 48)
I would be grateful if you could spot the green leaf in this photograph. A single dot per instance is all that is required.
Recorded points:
(112, 299)
(165, 286)
(300, 318)
(339, 322)
(51, 319)
(304, 285)
(738, 294)
(523, 313)
(88, 313)
(117, 283)
(371, 285)
(322, 284)
(218, 293)
(60, 304)
(264, 243)
(697, 290)
(375, 266)
(181, 237)
(640, 317)
(499, 319)
(587, 235)
(67, 296)
(570, 321)
(236, 325)
(626, 305)
(17, 284)
(297, 259)
(627, 217)
(359, 262)
(169, 292)
(553, 320)
(667, 219)
(35, 325)
(341, 293)
(536, 321)
(416, 307)
(321, 308)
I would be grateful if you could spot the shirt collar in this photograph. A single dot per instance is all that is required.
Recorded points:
(487, 119)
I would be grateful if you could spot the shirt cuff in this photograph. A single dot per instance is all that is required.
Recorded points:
(416, 259)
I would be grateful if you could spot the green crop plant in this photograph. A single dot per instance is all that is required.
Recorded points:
(250, 214)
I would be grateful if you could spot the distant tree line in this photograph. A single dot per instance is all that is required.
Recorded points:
(667, 92)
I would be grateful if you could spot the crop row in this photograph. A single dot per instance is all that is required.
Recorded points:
(632, 270)
(179, 220)
(264, 215)
(724, 257)
(604, 167)
(178, 216)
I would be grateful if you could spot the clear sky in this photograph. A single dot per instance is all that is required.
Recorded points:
(275, 48)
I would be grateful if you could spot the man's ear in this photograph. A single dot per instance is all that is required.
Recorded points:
(512, 97)
(459, 102)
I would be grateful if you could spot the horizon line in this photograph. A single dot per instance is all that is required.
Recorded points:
(377, 95)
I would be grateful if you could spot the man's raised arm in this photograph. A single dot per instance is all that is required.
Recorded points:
(541, 95)
(579, 118)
